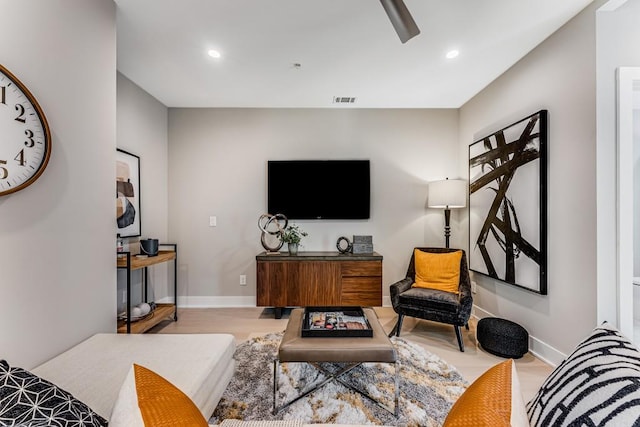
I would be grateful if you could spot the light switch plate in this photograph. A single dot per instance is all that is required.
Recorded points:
(213, 221)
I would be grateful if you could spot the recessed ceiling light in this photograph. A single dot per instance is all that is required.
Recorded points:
(214, 53)
(452, 54)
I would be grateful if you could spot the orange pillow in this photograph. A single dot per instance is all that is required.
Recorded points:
(437, 270)
(493, 400)
(148, 400)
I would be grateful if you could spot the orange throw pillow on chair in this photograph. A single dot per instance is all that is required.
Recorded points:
(439, 271)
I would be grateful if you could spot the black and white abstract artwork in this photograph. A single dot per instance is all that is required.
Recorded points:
(508, 204)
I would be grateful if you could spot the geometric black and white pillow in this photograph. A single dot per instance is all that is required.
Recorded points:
(28, 400)
(597, 385)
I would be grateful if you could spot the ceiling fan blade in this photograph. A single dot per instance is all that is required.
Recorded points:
(401, 19)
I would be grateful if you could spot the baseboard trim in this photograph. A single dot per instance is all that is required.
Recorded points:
(234, 301)
(537, 347)
(210, 302)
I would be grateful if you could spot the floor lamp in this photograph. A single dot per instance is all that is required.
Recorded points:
(447, 194)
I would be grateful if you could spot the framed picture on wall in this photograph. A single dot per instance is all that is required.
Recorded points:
(127, 194)
(508, 204)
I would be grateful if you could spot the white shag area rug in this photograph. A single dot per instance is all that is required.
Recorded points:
(428, 388)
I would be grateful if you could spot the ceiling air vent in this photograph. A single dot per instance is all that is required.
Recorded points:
(344, 99)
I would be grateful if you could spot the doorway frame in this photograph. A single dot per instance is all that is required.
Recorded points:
(628, 79)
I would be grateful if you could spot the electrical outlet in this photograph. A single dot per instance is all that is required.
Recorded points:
(243, 279)
(474, 287)
(213, 221)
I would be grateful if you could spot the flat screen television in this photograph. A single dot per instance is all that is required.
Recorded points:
(319, 189)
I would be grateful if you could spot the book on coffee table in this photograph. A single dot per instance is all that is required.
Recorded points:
(329, 322)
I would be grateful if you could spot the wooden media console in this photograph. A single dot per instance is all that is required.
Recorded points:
(318, 279)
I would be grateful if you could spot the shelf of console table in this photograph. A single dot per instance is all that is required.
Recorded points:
(318, 279)
(137, 263)
(163, 311)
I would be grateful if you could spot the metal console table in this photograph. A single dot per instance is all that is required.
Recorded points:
(163, 311)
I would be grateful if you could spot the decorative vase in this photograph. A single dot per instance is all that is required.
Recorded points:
(293, 248)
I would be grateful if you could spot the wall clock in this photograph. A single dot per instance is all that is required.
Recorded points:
(25, 140)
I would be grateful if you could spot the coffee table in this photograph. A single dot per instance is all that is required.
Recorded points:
(349, 352)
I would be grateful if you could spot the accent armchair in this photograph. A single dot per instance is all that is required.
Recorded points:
(433, 304)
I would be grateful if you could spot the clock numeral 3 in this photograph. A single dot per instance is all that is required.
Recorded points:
(4, 173)
(30, 142)
(20, 110)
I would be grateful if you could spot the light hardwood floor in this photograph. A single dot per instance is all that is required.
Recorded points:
(437, 338)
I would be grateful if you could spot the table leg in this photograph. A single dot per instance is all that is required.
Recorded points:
(336, 376)
(275, 384)
(397, 392)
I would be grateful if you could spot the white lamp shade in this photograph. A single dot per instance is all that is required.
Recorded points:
(448, 193)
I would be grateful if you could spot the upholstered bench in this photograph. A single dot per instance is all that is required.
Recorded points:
(349, 352)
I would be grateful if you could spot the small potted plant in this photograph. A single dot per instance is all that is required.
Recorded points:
(292, 235)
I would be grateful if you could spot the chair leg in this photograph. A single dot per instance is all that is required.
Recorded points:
(393, 331)
(396, 329)
(459, 336)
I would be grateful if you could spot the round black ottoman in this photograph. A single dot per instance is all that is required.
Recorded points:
(502, 337)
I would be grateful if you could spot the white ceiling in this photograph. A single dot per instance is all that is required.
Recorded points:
(345, 48)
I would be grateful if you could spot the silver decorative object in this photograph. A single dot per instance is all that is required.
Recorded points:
(344, 249)
(270, 225)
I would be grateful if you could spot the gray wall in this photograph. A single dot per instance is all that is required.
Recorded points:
(559, 76)
(57, 277)
(142, 130)
(217, 167)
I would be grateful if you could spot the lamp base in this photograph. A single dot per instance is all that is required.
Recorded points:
(447, 228)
